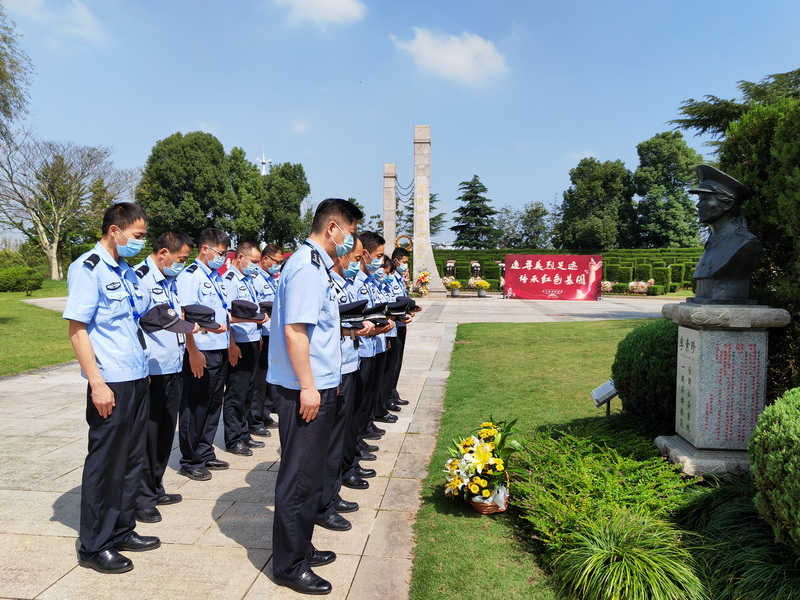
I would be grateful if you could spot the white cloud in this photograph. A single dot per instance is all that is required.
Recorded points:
(322, 12)
(579, 155)
(300, 125)
(467, 58)
(60, 19)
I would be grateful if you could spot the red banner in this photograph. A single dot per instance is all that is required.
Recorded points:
(553, 277)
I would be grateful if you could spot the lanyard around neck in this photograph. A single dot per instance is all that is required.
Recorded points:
(136, 315)
(216, 289)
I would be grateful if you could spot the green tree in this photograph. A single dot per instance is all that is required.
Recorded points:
(286, 188)
(14, 69)
(185, 184)
(597, 211)
(713, 115)
(526, 228)
(405, 216)
(243, 212)
(475, 224)
(666, 214)
(762, 151)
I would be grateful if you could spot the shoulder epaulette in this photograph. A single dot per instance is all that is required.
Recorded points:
(91, 261)
(230, 275)
(191, 268)
(315, 258)
(142, 271)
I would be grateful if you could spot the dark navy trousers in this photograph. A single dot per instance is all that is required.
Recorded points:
(342, 414)
(200, 408)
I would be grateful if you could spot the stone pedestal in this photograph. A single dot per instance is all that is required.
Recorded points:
(721, 382)
(423, 251)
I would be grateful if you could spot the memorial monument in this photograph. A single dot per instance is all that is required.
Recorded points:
(421, 251)
(722, 339)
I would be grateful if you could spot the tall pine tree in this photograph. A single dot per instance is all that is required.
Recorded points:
(475, 224)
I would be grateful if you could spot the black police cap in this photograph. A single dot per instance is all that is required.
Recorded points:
(714, 181)
(163, 318)
(202, 315)
(397, 309)
(245, 309)
(265, 307)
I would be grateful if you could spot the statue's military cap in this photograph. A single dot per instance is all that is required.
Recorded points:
(714, 181)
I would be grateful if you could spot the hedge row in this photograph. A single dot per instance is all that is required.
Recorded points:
(20, 279)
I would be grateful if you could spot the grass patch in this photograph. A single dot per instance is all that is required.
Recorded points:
(540, 373)
(35, 337)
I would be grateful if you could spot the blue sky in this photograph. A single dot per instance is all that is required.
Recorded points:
(514, 91)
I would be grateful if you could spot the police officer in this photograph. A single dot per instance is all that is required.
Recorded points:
(398, 284)
(157, 282)
(341, 448)
(103, 309)
(242, 353)
(305, 365)
(260, 420)
(205, 363)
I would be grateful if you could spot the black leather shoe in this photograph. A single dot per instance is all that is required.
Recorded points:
(317, 558)
(217, 465)
(343, 506)
(334, 522)
(107, 561)
(138, 543)
(368, 447)
(400, 402)
(365, 473)
(376, 429)
(387, 418)
(368, 456)
(262, 431)
(196, 474)
(254, 443)
(307, 583)
(241, 449)
(393, 407)
(147, 515)
(271, 423)
(169, 499)
(355, 483)
(373, 436)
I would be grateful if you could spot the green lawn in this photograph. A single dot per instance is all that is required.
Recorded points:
(33, 337)
(540, 373)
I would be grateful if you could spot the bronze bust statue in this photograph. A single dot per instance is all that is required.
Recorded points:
(732, 253)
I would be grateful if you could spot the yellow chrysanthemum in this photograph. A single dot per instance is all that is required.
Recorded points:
(500, 467)
(486, 493)
(487, 424)
(473, 488)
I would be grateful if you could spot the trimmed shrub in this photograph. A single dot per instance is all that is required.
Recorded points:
(689, 285)
(619, 288)
(491, 271)
(659, 263)
(644, 372)
(625, 555)
(676, 272)
(463, 271)
(79, 249)
(494, 284)
(627, 263)
(643, 272)
(611, 272)
(661, 275)
(656, 290)
(774, 452)
(20, 279)
(625, 274)
(673, 287)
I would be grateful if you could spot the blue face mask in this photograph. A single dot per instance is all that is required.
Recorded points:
(132, 246)
(347, 246)
(274, 269)
(352, 270)
(375, 264)
(175, 268)
(386, 278)
(250, 268)
(402, 268)
(217, 261)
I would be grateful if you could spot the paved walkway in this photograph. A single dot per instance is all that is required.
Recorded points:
(216, 543)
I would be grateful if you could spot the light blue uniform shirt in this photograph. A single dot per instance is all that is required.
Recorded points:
(398, 289)
(166, 347)
(103, 295)
(240, 287)
(349, 351)
(386, 292)
(266, 286)
(358, 289)
(197, 284)
(306, 295)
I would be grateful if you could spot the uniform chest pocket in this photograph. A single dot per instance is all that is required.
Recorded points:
(117, 302)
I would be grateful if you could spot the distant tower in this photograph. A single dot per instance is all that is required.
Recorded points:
(264, 162)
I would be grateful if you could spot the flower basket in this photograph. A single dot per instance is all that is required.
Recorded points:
(490, 508)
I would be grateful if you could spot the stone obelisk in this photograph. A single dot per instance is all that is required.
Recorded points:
(423, 251)
(389, 206)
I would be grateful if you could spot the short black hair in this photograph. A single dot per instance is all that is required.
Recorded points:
(372, 240)
(211, 236)
(271, 250)
(399, 253)
(245, 247)
(388, 265)
(122, 214)
(173, 240)
(333, 209)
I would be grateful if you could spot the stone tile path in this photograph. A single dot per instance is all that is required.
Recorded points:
(216, 544)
